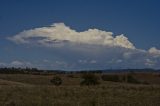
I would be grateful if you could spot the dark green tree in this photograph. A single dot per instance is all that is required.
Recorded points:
(89, 79)
(56, 81)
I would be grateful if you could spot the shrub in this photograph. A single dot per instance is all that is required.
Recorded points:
(114, 78)
(56, 81)
(89, 79)
(131, 79)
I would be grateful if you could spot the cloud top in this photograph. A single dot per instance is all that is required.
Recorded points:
(58, 34)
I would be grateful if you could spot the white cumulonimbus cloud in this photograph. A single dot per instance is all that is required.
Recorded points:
(101, 48)
(59, 33)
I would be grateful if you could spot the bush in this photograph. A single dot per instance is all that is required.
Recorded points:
(89, 79)
(56, 81)
(131, 79)
(114, 78)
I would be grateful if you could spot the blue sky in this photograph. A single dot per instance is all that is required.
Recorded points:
(138, 20)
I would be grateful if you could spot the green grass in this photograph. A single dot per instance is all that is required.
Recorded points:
(36, 90)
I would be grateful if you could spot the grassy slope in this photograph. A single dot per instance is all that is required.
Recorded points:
(36, 90)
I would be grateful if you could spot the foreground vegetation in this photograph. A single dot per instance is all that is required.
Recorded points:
(77, 89)
(104, 95)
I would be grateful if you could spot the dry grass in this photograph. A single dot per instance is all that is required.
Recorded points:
(36, 90)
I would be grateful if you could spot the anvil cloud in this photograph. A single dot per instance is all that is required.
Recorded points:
(88, 49)
(59, 32)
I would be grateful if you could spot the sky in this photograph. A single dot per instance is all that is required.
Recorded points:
(80, 34)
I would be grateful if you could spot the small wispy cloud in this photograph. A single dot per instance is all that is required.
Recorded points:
(16, 63)
(154, 51)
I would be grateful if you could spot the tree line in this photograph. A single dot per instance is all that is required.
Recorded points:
(27, 70)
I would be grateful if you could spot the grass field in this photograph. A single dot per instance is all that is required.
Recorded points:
(37, 90)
